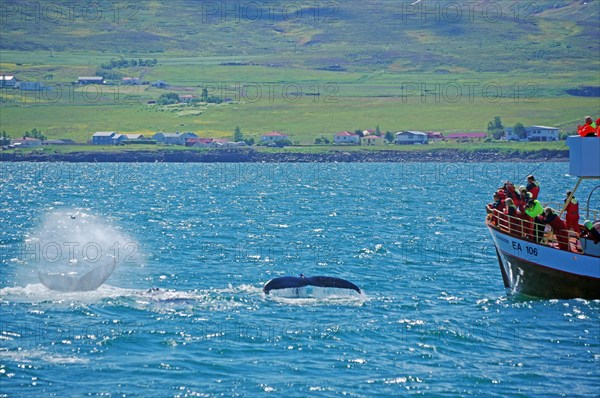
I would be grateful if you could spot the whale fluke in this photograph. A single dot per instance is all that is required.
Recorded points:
(286, 282)
(63, 282)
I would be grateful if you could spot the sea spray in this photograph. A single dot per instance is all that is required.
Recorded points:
(74, 243)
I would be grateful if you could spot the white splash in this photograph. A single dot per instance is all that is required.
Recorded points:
(76, 251)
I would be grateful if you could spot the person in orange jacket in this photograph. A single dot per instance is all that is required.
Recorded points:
(572, 214)
(588, 129)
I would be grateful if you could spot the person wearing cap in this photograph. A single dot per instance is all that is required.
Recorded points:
(591, 231)
(534, 210)
(533, 186)
(572, 214)
(588, 129)
(513, 217)
(558, 227)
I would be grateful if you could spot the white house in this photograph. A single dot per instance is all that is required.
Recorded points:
(369, 140)
(26, 142)
(346, 137)
(411, 138)
(274, 137)
(542, 133)
(534, 133)
(8, 81)
(173, 138)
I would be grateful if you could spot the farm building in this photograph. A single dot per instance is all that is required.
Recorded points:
(411, 138)
(176, 138)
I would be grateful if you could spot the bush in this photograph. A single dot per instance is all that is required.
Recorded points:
(168, 99)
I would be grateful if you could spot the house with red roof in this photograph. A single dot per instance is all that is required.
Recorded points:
(346, 137)
(274, 137)
(134, 81)
(434, 135)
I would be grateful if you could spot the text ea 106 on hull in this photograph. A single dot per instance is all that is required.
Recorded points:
(546, 272)
(555, 266)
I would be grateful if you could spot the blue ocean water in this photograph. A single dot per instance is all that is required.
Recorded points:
(433, 318)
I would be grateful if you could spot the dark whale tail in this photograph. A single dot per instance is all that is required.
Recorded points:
(286, 282)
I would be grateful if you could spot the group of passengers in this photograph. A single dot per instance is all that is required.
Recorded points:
(518, 210)
(589, 128)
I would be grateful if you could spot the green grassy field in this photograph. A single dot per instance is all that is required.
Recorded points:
(304, 120)
(393, 67)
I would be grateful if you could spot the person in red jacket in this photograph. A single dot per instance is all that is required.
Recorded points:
(533, 186)
(522, 199)
(509, 189)
(588, 129)
(497, 204)
(572, 216)
(558, 227)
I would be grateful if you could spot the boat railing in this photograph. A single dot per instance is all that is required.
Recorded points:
(526, 228)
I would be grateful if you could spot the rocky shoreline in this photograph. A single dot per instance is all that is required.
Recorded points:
(245, 156)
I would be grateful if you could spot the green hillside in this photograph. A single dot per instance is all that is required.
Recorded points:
(307, 68)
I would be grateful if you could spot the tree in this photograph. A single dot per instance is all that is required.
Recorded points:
(35, 133)
(520, 131)
(389, 136)
(377, 131)
(359, 133)
(4, 138)
(249, 141)
(168, 99)
(204, 96)
(237, 134)
(322, 141)
(495, 128)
